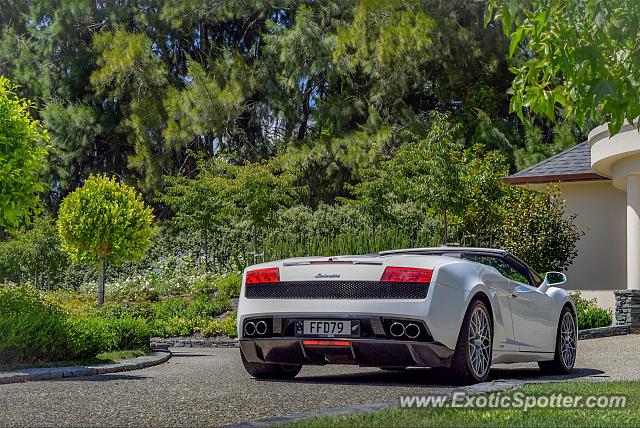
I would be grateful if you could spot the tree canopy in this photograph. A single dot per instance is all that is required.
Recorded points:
(22, 153)
(379, 120)
(145, 89)
(577, 55)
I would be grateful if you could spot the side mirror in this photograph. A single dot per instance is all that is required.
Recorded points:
(552, 279)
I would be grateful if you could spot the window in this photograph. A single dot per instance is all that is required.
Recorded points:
(507, 270)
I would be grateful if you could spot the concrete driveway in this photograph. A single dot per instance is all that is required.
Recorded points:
(210, 387)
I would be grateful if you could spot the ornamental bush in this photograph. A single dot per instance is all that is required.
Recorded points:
(104, 220)
(590, 315)
(536, 230)
(35, 328)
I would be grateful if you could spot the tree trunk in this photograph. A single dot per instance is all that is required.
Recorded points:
(101, 282)
(255, 243)
(445, 227)
(205, 239)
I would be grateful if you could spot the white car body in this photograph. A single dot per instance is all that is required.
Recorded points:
(524, 316)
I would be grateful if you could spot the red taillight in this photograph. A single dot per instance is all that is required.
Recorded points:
(406, 274)
(261, 276)
(325, 343)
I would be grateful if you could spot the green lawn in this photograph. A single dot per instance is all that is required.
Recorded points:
(629, 416)
(103, 358)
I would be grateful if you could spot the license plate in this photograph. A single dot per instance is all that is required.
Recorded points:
(329, 328)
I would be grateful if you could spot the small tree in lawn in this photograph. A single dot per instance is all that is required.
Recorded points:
(104, 221)
(22, 157)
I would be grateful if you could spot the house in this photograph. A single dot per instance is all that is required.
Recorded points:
(600, 209)
(600, 182)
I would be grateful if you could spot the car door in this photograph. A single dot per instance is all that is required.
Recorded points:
(498, 283)
(534, 323)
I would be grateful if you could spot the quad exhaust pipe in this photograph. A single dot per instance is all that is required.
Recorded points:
(261, 327)
(250, 328)
(399, 330)
(257, 328)
(412, 331)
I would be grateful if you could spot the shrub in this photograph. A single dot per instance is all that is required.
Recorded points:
(36, 327)
(221, 326)
(536, 229)
(180, 317)
(131, 333)
(33, 336)
(89, 336)
(174, 326)
(33, 254)
(32, 328)
(589, 314)
(229, 285)
(154, 284)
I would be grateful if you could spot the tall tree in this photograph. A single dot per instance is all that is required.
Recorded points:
(22, 152)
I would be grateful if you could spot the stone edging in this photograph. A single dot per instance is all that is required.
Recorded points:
(48, 373)
(480, 388)
(614, 330)
(179, 342)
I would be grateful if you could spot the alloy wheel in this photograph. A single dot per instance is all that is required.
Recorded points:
(568, 340)
(479, 343)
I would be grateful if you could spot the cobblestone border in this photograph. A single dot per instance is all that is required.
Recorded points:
(186, 342)
(48, 373)
(614, 330)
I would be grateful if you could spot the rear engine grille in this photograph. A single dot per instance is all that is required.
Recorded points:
(337, 290)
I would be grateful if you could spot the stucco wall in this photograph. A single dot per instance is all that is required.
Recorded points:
(601, 212)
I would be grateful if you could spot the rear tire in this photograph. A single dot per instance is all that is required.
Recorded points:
(270, 371)
(566, 346)
(471, 361)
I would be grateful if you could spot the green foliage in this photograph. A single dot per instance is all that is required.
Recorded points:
(589, 314)
(34, 327)
(228, 285)
(131, 333)
(536, 230)
(225, 326)
(537, 146)
(32, 254)
(576, 55)
(88, 336)
(332, 230)
(200, 203)
(481, 201)
(142, 90)
(104, 219)
(21, 157)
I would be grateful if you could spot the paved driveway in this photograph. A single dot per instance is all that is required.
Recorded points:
(210, 387)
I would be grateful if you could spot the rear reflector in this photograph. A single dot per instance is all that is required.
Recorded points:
(325, 343)
(406, 274)
(261, 276)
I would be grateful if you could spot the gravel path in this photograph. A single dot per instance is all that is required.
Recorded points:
(201, 386)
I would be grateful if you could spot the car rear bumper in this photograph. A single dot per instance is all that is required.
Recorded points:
(362, 352)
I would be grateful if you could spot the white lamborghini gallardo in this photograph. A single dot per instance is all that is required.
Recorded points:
(459, 308)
